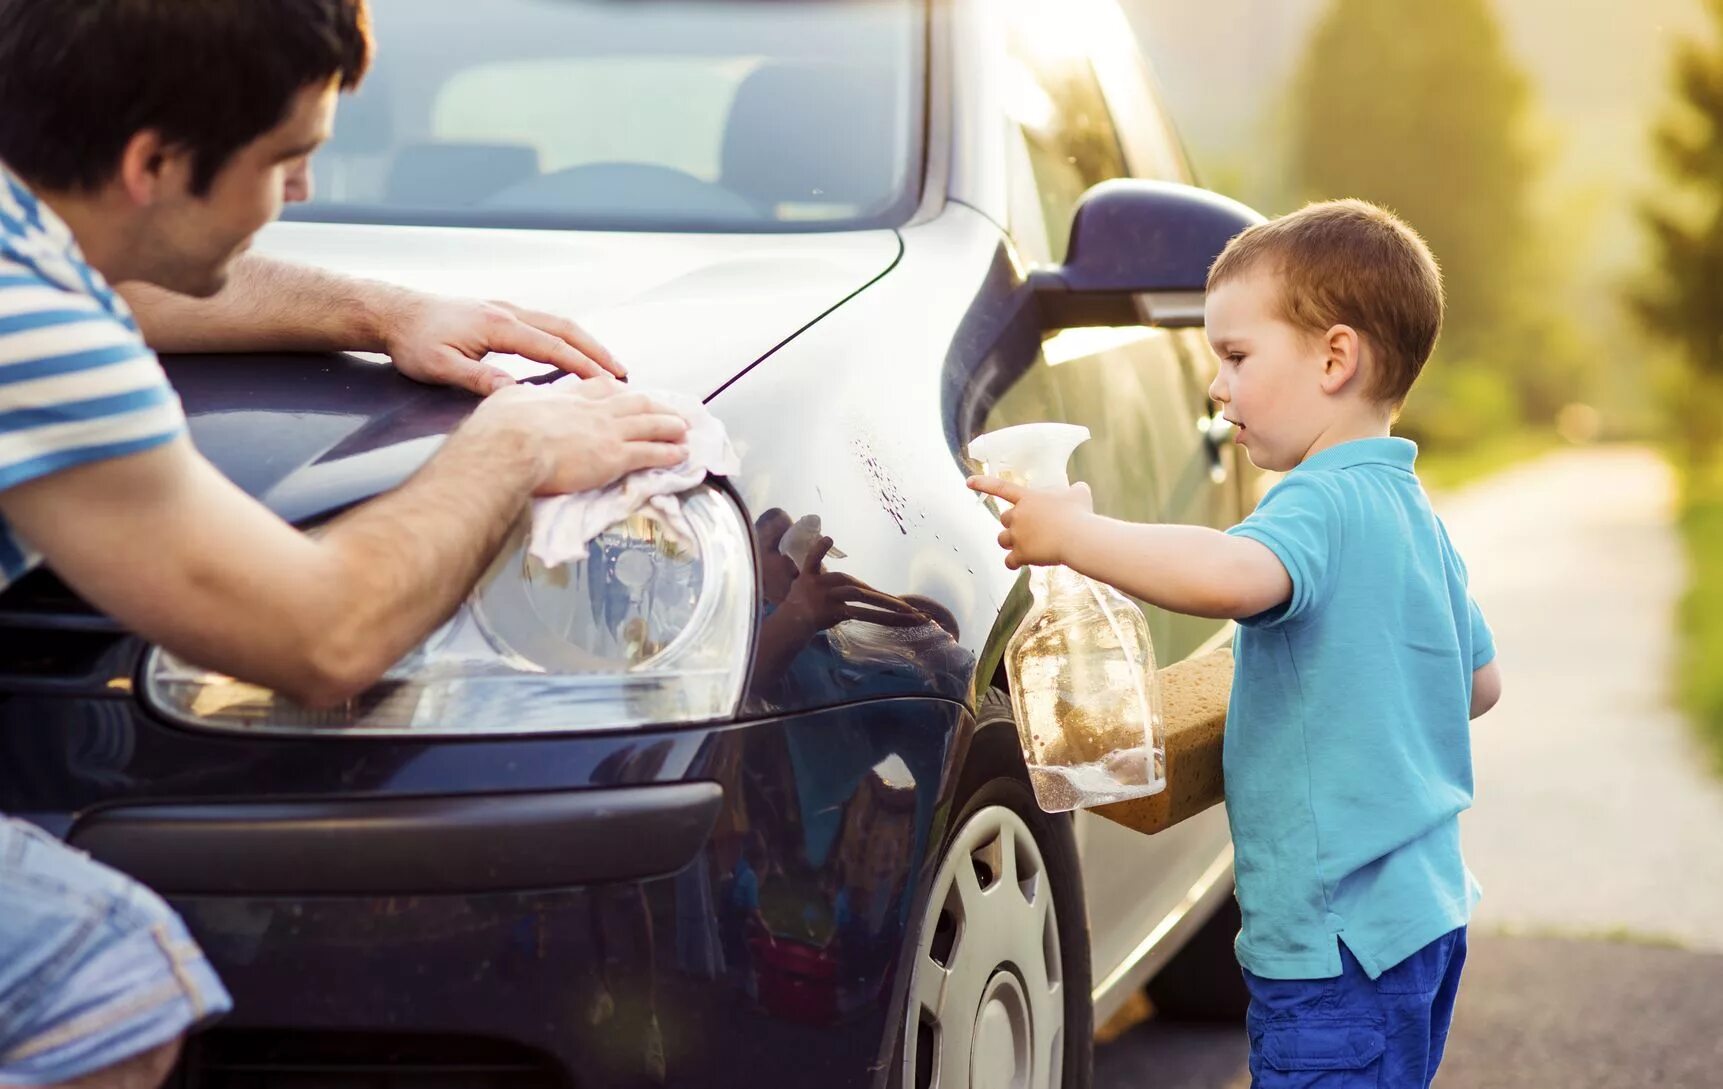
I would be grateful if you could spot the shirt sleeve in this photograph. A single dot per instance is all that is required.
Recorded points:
(1483, 642)
(77, 384)
(1299, 522)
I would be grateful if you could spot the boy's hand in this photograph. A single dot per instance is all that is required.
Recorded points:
(1041, 521)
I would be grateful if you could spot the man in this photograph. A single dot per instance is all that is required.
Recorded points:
(144, 142)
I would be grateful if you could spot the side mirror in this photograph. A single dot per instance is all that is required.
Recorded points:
(1140, 252)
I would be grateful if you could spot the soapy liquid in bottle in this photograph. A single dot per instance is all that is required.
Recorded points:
(1082, 689)
(1081, 665)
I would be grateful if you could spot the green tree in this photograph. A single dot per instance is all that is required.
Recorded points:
(1681, 299)
(1418, 106)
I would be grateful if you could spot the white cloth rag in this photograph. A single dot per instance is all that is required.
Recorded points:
(563, 525)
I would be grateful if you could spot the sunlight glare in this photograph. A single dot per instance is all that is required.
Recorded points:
(1060, 29)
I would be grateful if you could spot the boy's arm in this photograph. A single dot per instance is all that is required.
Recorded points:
(1486, 688)
(1186, 569)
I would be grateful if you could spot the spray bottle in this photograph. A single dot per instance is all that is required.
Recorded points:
(1081, 665)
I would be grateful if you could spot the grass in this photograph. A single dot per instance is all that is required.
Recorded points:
(1699, 665)
(1699, 678)
(1618, 935)
(1445, 470)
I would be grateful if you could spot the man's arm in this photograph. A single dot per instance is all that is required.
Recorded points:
(276, 306)
(168, 546)
(1187, 569)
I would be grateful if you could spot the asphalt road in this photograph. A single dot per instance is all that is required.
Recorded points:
(1597, 953)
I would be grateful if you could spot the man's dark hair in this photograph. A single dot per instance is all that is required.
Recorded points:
(80, 78)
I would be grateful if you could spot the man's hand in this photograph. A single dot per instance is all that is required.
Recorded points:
(278, 306)
(1041, 523)
(242, 592)
(588, 436)
(444, 341)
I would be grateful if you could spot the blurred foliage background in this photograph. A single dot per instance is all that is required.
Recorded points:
(1680, 299)
(1564, 158)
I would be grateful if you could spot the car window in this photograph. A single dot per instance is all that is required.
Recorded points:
(1140, 390)
(1091, 377)
(1151, 144)
(1026, 218)
(666, 111)
(1057, 106)
(671, 115)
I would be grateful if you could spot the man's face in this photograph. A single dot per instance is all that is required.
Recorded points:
(1270, 372)
(187, 243)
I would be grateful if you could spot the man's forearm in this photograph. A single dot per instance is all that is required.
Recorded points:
(267, 305)
(1185, 569)
(404, 564)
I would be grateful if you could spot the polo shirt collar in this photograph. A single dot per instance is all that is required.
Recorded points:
(1394, 452)
(37, 235)
(31, 214)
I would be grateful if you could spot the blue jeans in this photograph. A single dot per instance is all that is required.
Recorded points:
(1352, 1031)
(94, 968)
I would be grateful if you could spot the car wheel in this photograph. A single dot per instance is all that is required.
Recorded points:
(1202, 982)
(999, 984)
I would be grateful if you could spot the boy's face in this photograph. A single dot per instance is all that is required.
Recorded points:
(1270, 372)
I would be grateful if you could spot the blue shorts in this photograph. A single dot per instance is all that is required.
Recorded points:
(1354, 1031)
(94, 968)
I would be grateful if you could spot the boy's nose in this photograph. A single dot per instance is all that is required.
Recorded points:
(1217, 391)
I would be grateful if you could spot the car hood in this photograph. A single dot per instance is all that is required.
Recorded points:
(682, 311)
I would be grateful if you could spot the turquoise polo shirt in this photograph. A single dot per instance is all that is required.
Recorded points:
(1348, 754)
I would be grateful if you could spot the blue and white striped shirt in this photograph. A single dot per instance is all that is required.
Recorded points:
(77, 383)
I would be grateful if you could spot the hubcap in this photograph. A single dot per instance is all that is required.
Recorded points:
(1000, 1058)
(987, 1003)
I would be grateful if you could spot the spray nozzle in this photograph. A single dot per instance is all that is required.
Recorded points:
(1033, 455)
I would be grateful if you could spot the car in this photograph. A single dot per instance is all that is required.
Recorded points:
(690, 811)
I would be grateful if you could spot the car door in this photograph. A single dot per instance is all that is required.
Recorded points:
(1142, 392)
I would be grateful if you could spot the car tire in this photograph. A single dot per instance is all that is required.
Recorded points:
(1013, 985)
(1202, 982)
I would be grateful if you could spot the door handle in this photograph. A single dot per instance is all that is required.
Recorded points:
(1217, 432)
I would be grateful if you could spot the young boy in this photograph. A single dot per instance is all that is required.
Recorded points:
(1360, 654)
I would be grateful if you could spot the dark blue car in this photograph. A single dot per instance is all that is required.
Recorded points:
(694, 811)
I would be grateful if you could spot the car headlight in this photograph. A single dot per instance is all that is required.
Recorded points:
(645, 629)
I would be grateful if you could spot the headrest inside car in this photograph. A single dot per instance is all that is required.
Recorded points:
(811, 134)
(435, 175)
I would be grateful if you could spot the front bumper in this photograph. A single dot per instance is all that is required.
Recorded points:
(585, 902)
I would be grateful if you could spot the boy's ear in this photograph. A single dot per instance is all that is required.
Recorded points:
(1343, 358)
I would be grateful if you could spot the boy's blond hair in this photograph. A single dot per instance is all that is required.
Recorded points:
(1350, 262)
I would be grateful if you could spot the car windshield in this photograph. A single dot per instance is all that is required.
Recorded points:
(721, 115)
